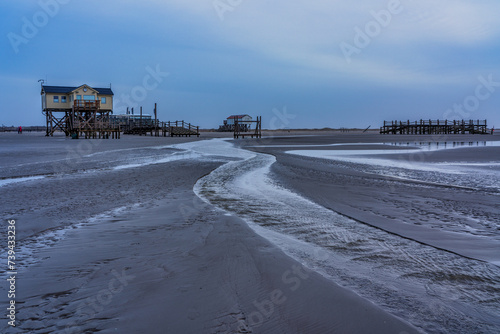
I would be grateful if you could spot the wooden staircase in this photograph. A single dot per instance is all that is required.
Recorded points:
(182, 129)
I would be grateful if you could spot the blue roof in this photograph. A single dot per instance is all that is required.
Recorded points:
(67, 89)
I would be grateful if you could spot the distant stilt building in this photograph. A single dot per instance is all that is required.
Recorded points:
(244, 121)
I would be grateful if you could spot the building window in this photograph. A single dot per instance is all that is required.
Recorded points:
(103, 100)
(78, 97)
(88, 97)
(63, 99)
(56, 99)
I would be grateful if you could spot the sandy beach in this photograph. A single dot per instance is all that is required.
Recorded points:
(180, 235)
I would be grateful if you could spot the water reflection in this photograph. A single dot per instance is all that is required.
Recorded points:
(431, 146)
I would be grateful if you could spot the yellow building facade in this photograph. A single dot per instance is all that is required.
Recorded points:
(63, 97)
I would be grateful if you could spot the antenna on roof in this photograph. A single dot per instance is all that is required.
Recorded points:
(110, 85)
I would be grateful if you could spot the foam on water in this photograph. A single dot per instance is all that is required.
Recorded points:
(463, 174)
(433, 289)
(427, 146)
(366, 155)
(5, 182)
(27, 250)
(359, 157)
(173, 157)
(317, 145)
(369, 156)
(216, 148)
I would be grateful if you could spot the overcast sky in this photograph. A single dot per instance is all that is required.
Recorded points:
(300, 63)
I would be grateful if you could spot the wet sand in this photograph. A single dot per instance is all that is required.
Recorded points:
(136, 251)
(426, 212)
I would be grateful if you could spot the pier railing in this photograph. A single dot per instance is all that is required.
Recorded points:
(423, 127)
(181, 128)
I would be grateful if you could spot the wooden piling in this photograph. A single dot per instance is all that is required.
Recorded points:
(432, 127)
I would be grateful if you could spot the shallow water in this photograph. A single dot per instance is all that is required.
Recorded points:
(65, 165)
(435, 290)
(27, 250)
(411, 163)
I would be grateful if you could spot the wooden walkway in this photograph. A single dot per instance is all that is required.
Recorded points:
(182, 129)
(157, 129)
(430, 127)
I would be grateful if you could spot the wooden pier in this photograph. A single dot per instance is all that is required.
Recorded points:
(431, 127)
(145, 126)
(157, 129)
(136, 128)
(241, 130)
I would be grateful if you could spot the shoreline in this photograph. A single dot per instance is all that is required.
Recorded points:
(349, 192)
(183, 265)
(192, 268)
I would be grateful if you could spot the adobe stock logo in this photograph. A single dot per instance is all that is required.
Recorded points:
(281, 119)
(484, 90)
(223, 6)
(139, 93)
(363, 37)
(31, 28)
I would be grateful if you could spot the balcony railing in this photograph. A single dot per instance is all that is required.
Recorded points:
(86, 104)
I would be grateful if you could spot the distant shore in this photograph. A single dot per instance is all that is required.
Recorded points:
(213, 133)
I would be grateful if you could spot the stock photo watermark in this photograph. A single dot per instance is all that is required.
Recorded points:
(221, 7)
(11, 272)
(150, 81)
(91, 306)
(31, 26)
(139, 93)
(471, 103)
(371, 30)
(190, 212)
(75, 156)
(484, 90)
(292, 278)
(264, 309)
(281, 119)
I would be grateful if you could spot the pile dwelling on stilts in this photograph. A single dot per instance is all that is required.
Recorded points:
(87, 120)
(86, 112)
(431, 127)
(79, 112)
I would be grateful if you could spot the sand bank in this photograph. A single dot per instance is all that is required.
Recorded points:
(408, 207)
(136, 251)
